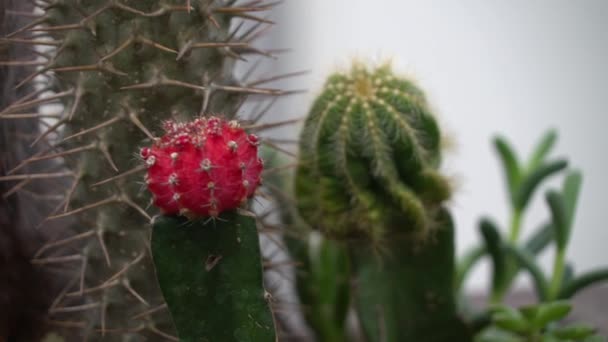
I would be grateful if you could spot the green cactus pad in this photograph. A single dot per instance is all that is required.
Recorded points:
(211, 278)
(369, 154)
(407, 295)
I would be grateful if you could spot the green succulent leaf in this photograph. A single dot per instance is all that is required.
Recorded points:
(540, 239)
(527, 262)
(510, 165)
(551, 312)
(543, 148)
(573, 332)
(494, 246)
(510, 319)
(531, 182)
(582, 281)
(557, 205)
(529, 312)
(571, 190)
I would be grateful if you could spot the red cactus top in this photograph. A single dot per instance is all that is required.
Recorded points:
(202, 167)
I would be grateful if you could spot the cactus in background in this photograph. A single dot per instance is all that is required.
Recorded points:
(119, 68)
(368, 174)
(369, 154)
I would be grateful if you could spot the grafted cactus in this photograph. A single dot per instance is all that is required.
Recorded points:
(369, 154)
(120, 68)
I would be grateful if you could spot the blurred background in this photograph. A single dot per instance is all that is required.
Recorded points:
(513, 68)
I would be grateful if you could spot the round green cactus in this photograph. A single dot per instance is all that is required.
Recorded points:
(369, 155)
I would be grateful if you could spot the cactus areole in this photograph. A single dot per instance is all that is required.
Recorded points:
(203, 167)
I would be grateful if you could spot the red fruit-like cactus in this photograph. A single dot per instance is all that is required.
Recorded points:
(203, 167)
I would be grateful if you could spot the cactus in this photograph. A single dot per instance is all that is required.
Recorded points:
(368, 174)
(202, 168)
(211, 277)
(369, 154)
(119, 68)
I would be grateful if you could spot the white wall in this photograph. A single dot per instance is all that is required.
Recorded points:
(514, 67)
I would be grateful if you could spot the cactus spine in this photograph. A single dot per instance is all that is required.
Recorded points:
(120, 67)
(368, 174)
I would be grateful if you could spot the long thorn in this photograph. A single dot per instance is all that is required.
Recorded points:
(135, 294)
(55, 260)
(149, 312)
(71, 190)
(135, 120)
(134, 205)
(37, 176)
(63, 242)
(76, 308)
(125, 268)
(93, 129)
(104, 249)
(86, 207)
(35, 102)
(124, 174)
(266, 126)
(50, 130)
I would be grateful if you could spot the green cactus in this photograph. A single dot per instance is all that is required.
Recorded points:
(369, 154)
(119, 68)
(211, 277)
(368, 174)
(407, 295)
